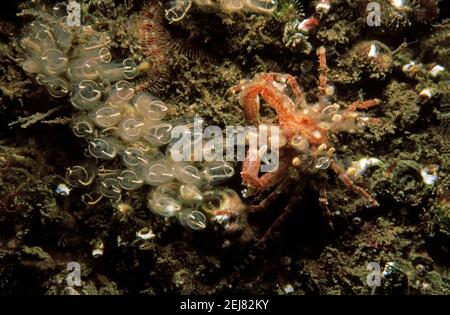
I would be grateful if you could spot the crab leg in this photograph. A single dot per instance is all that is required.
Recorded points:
(299, 101)
(250, 171)
(349, 183)
(299, 97)
(323, 203)
(293, 201)
(269, 200)
(322, 75)
(249, 100)
(363, 105)
(264, 86)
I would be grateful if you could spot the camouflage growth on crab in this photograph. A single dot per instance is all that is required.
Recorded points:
(304, 142)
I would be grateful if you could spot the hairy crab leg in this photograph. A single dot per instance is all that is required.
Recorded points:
(299, 101)
(251, 92)
(323, 204)
(363, 105)
(349, 183)
(280, 102)
(249, 100)
(322, 75)
(250, 171)
(294, 200)
(270, 199)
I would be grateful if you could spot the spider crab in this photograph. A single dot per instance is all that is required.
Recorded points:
(305, 129)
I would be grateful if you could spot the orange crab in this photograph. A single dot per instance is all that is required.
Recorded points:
(305, 129)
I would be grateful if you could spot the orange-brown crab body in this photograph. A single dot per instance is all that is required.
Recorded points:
(291, 121)
(304, 127)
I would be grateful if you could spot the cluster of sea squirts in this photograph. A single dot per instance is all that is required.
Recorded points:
(128, 133)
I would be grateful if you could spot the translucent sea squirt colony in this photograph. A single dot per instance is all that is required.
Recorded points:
(128, 133)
